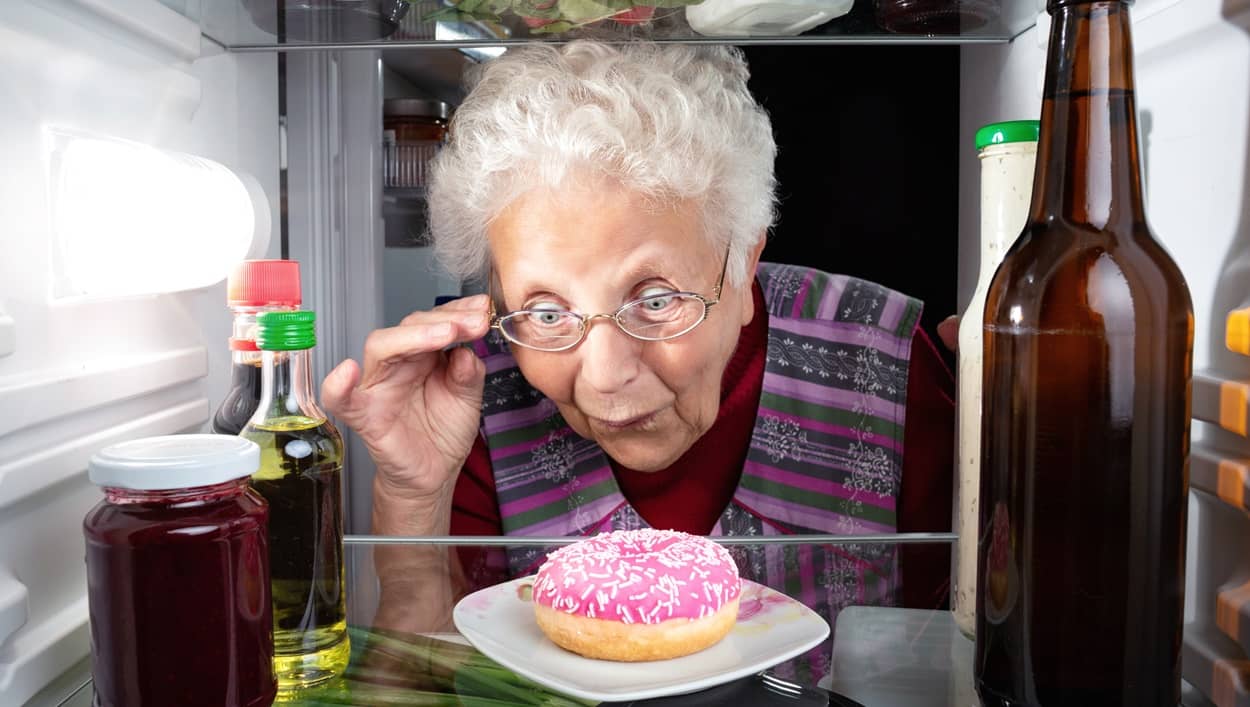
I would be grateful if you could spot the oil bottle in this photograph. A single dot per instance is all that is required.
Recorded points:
(300, 476)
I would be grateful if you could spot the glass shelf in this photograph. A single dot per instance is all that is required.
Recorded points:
(406, 649)
(291, 25)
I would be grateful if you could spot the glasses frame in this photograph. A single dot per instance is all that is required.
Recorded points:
(584, 320)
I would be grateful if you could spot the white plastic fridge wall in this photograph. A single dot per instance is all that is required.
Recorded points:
(76, 375)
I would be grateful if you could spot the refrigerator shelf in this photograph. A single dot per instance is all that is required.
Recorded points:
(1216, 666)
(1222, 401)
(1224, 476)
(253, 25)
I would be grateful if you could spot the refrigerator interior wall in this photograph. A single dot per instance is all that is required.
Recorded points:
(411, 278)
(77, 374)
(1193, 101)
(335, 231)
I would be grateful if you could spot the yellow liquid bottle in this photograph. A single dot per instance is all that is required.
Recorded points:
(300, 475)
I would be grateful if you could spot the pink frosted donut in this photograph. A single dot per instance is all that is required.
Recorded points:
(635, 595)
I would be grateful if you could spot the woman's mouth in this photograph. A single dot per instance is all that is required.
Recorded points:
(633, 423)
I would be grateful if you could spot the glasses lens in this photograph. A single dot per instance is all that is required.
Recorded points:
(542, 329)
(662, 316)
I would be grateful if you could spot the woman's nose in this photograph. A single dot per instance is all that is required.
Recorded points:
(610, 357)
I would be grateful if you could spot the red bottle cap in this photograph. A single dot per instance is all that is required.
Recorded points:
(263, 283)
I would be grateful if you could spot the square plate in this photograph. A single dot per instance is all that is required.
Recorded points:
(772, 627)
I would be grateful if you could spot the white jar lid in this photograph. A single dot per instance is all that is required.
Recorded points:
(174, 462)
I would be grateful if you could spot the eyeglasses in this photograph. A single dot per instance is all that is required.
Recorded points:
(652, 318)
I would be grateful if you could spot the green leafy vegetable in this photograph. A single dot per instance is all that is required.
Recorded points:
(389, 668)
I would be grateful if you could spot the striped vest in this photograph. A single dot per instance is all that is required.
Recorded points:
(825, 454)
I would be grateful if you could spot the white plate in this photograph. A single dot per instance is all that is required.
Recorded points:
(772, 627)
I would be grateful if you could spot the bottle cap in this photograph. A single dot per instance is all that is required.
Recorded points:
(1052, 5)
(286, 331)
(1008, 131)
(261, 283)
(174, 462)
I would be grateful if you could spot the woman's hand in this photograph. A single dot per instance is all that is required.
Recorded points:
(416, 406)
(948, 332)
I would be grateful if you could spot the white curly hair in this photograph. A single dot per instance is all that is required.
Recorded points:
(670, 122)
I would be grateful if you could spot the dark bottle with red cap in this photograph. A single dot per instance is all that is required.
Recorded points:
(254, 286)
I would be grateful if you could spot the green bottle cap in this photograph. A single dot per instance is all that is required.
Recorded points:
(1008, 131)
(285, 331)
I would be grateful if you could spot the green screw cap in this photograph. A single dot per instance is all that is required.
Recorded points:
(286, 331)
(1008, 131)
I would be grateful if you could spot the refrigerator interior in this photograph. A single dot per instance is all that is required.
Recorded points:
(78, 372)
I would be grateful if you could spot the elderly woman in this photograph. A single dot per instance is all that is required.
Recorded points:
(634, 363)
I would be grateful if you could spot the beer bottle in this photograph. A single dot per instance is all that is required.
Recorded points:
(1088, 342)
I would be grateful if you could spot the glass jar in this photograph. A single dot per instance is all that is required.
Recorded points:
(178, 575)
(413, 129)
(936, 16)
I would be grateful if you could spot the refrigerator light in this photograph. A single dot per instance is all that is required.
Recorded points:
(130, 219)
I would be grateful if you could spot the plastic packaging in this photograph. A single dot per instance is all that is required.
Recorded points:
(750, 18)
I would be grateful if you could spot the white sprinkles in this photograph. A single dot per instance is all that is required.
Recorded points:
(638, 576)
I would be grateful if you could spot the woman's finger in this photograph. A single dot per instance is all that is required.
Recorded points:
(337, 389)
(409, 345)
(435, 316)
(465, 375)
(387, 347)
(948, 332)
(474, 304)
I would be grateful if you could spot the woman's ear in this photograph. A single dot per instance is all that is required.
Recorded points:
(747, 291)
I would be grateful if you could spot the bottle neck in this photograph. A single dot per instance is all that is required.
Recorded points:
(243, 332)
(286, 387)
(1088, 170)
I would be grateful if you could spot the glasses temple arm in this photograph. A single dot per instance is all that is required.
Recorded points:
(721, 282)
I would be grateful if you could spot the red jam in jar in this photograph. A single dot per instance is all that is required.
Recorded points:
(178, 575)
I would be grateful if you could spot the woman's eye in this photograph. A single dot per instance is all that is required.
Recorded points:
(656, 299)
(546, 313)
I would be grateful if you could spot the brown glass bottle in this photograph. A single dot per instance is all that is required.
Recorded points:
(1085, 434)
